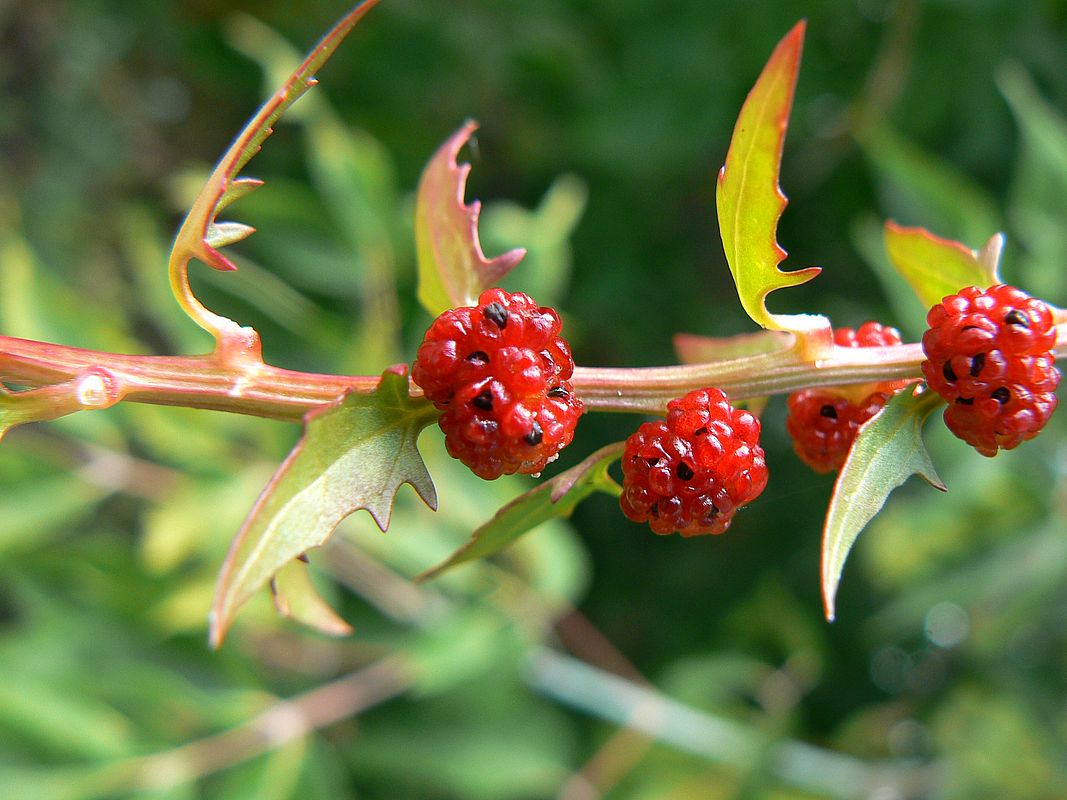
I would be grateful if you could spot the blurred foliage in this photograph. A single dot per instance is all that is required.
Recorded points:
(602, 127)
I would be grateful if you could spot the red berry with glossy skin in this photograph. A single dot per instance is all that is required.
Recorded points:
(692, 471)
(989, 354)
(501, 374)
(823, 423)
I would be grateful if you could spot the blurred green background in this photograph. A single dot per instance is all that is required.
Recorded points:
(603, 124)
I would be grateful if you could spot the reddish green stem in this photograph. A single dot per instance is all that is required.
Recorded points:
(251, 387)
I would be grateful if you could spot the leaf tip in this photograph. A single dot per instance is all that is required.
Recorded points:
(216, 629)
(216, 260)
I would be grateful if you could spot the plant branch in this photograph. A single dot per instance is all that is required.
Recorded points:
(249, 386)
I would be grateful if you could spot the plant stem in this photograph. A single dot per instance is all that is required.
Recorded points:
(251, 387)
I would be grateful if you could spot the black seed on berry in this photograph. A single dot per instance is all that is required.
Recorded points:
(558, 391)
(478, 357)
(976, 364)
(652, 462)
(1017, 317)
(711, 515)
(484, 400)
(497, 314)
(828, 411)
(535, 435)
(701, 431)
(946, 370)
(965, 401)
(1001, 394)
(683, 471)
(654, 510)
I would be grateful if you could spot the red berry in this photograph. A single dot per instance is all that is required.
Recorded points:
(989, 354)
(691, 472)
(824, 425)
(500, 372)
(823, 422)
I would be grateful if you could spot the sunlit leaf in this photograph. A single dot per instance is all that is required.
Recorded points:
(355, 453)
(200, 236)
(295, 597)
(936, 267)
(748, 197)
(887, 451)
(220, 234)
(557, 497)
(453, 270)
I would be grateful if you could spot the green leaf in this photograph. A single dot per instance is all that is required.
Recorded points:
(748, 197)
(220, 234)
(355, 453)
(936, 267)
(453, 270)
(296, 597)
(557, 497)
(887, 451)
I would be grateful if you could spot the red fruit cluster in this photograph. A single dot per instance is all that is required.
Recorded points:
(501, 374)
(823, 423)
(989, 354)
(691, 472)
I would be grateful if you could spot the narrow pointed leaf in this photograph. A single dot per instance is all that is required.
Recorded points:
(748, 196)
(295, 597)
(355, 453)
(453, 270)
(235, 190)
(887, 451)
(936, 267)
(557, 497)
(220, 234)
(199, 236)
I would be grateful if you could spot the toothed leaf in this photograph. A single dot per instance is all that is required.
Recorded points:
(355, 453)
(235, 190)
(200, 236)
(887, 451)
(936, 267)
(295, 597)
(748, 196)
(557, 497)
(220, 234)
(453, 270)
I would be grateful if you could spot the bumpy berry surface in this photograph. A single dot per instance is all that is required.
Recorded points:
(692, 471)
(822, 423)
(501, 374)
(989, 354)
